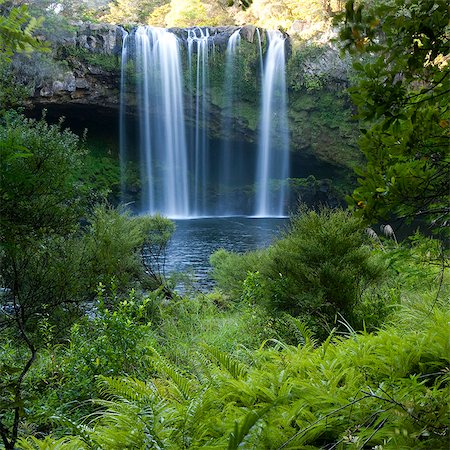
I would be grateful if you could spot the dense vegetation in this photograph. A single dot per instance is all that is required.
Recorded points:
(332, 337)
(184, 13)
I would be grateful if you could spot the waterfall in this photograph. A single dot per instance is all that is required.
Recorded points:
(260, 52)
(184, 172)
(198, 41)
(228, 157)
(122, 114)
(273, 147)
(162, 139)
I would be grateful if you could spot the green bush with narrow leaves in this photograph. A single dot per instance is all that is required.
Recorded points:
(318, 270)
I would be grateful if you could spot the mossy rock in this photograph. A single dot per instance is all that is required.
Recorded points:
(303, 102)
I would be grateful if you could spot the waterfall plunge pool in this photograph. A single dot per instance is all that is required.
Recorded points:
(195, 240)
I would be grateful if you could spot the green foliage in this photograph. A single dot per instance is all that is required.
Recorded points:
(108, 63)
(233, 366)
(322, 266)
(16, 31)
(319, 269)
(402, 97)
(35, 202)
(322, 120)
(65, 10)
(12, 93)
(112, 243)
(368, 390)
(206, 387)
(50, 265)
(113, 341)
(50, 443)
(131, 11)
(231, 269)
(40, 207)
(273, 14)
(116, 340)
(54, 22)
(187, 14)
(102, 175)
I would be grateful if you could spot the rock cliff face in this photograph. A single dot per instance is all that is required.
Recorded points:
(319, 113)
(91, 52)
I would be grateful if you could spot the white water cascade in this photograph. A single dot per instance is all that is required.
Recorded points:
(180, 123)
(162, 139)
(229, 158)
(122, 116)
(273, 147)
(199, 43)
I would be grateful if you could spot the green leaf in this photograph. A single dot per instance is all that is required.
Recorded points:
(241, 430)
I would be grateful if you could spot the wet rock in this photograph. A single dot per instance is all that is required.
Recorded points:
(100, 38)
(248, 33)
(82, 83)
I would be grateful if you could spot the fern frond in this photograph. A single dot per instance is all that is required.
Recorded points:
(236, 368)
(182, 385)
(50, 443)
(124, 425)
(306, 335)
(130, 389)
(242, 430)
(77, 429)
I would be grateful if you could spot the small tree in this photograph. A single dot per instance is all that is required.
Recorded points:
(40, 206)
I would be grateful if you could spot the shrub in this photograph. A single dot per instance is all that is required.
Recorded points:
(321, 267)
(124, 249)
(318, 269)
(231, 269)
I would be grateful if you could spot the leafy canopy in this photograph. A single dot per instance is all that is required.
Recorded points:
(16, 31)
(401, 57)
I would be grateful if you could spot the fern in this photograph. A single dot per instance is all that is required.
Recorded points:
(182, 385)
(242, 430)
(388, 389)
(235, 368)
(131, 389)
(306, 335)
(50, 443)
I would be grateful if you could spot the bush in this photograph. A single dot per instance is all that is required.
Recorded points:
(322, 266)
(318, 269)
(38, 193)
(230, 269)
(124, 249)
(111, 340)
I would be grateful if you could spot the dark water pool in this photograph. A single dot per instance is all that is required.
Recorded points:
(195, 239)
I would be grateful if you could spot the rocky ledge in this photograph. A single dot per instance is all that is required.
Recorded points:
(92, 53)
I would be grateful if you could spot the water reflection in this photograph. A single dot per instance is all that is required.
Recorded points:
(194, 241)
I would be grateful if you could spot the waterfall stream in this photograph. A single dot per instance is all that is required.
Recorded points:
(198, 41)
(166, 84)
(228, 157)
(273, 147)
